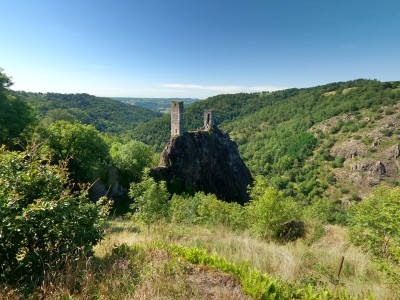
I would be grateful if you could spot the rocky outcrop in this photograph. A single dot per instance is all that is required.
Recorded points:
(205, 160)
(349, 149)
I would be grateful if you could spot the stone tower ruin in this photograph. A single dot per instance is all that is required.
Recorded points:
(176, 118)
(209, 121)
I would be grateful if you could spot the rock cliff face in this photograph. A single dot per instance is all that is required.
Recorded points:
(369, 148)
(205, 161)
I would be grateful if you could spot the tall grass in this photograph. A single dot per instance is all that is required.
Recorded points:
(137, 270)
(295, 262)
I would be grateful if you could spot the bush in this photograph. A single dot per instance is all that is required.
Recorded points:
(185, 209)
(216, 212)
(269, 211)
(375, 224)
(42, 221)
(150, 199)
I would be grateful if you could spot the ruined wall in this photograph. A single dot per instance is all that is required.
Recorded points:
(176, 118)
(209, 121)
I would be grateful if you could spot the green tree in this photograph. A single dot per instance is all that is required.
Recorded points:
(42, 221)
(150, 199)
(15, 115)
(81, 145)
(212, 211)
(269, 211)
(184, 209)
(131, 158)
(375, 224)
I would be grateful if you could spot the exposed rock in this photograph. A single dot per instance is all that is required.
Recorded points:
(376, 142)
(376, 168)
(206, 161)
(393, 152)
(356, 178)
(390, 158)
(349, 149)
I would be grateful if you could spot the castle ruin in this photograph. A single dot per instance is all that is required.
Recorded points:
(205, 159)
(209, 121)
(177, 119)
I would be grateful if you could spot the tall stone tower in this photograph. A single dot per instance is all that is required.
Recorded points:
(209, 120)
(176, 118)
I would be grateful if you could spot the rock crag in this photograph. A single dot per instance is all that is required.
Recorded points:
(205, 160)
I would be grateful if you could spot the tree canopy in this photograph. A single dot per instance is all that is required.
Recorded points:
(15, 115)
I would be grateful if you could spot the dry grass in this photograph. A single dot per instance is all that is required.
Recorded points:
(294, 262)
(329, 93)
(149, 273)
(166, 277)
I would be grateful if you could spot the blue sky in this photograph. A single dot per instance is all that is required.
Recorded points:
(195, 48)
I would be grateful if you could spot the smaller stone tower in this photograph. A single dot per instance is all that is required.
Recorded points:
(209, 120)
(176, 118)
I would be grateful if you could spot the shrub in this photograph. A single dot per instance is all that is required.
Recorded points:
(269, 211)
(216, 212)
(375, 224)
(150, 199)
(338, 162)
(185, 209)
(42, 220)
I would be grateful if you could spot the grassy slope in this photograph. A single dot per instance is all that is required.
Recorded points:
(296, 263)
(139, 269)
(105, 114)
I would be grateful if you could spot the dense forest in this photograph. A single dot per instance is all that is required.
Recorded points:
(104, 114)
(322, 220)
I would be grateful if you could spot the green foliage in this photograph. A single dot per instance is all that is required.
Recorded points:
(104, 114)
(269, 214)
(15, 115)
(150, 199)
(131, 158)
(207, 210)
(216, 212)
(41, 219)
(326, 210)
(185, 209)
(269, 211)
(375, 223)
(81, 145)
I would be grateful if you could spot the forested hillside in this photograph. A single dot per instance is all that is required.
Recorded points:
(104, 114)
(272, 129)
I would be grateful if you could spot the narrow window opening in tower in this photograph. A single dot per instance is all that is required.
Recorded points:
(208, 119)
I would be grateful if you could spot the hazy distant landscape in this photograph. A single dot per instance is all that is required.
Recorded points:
(158, 104)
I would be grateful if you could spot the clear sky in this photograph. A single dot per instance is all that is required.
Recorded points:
(195, 48)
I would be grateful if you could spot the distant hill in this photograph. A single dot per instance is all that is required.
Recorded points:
(159, 104)
(273, 130)
(105, 114)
